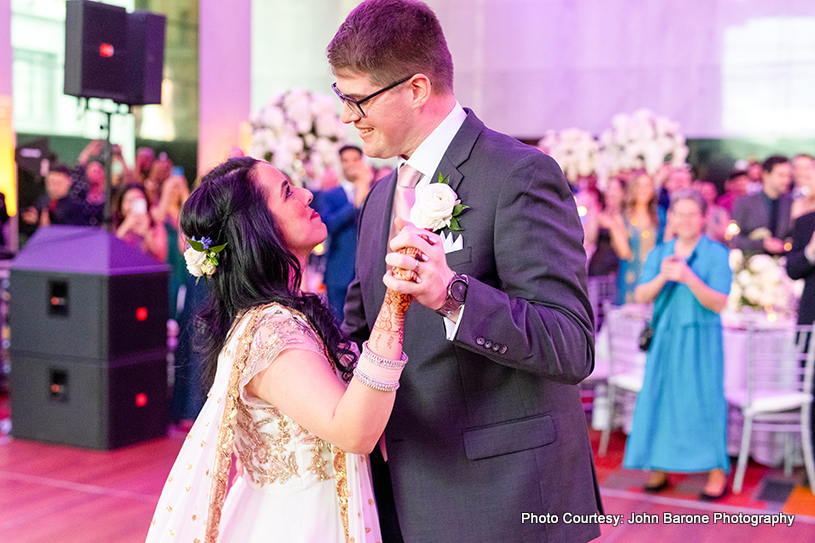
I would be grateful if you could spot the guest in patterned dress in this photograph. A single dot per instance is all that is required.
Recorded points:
(286, 396)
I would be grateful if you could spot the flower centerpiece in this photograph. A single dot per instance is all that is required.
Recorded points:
(762, 284)
(642, 140)
(296, 130)
(574, 150)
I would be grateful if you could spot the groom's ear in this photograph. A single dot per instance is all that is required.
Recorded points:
(420, 88)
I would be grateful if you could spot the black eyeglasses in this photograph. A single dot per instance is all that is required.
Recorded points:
(356, 105)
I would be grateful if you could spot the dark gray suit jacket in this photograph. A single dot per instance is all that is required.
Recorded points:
(798, 267)
(750, 213)
(490, 426)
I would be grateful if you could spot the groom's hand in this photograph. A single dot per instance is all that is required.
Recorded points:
(430, 265)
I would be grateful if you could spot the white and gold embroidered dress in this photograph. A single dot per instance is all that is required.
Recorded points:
(295, 488)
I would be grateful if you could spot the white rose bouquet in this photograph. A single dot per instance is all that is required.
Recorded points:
(438, 207)
(297, 129)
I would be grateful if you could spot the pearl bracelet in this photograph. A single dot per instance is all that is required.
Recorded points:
(377, 372)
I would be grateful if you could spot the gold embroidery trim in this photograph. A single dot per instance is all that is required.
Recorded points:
(223, 453)
(341, 478)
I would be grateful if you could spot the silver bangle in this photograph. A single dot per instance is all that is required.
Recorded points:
(385, 386)
(383, 362)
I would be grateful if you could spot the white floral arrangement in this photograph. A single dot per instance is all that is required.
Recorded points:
(202, 258)
(642, 140)
(297, 130)
(575, 150)
(761, 283)
(438, 207)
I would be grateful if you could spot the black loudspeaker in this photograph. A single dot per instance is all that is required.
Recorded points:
(145, 44)
(96, 56)
(88, 352)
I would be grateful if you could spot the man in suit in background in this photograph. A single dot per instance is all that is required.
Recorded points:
(764, 218)
(340, 218)
(488, 427)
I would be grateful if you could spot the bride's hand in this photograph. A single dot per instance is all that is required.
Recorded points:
(432, 274)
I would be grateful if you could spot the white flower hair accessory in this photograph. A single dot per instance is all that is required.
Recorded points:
(438, 207)
(201, 257)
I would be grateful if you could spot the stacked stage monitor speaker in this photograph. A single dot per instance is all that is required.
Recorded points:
(110, 53)
(89, 340)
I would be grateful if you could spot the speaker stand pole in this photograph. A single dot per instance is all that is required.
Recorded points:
(107, 218)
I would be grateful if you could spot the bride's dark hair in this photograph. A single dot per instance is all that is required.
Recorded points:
(255, 268)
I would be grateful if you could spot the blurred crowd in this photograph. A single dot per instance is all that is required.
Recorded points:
(755, 211)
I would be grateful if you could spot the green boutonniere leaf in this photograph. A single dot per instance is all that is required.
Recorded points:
(444, 180)
(454, 224)
(459, 208)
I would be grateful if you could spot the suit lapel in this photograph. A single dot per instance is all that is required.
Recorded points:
(459, 151)
(381, 206)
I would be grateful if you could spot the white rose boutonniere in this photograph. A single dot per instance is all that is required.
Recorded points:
(201, 257)
(438, 207)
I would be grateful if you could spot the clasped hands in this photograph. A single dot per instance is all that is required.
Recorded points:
(675, 268)
(431, 275)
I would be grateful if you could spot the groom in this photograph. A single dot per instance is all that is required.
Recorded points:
(488, 425)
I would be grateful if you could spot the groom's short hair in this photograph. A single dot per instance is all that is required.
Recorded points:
(388, 40)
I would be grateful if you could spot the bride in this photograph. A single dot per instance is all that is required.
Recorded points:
(286, 396)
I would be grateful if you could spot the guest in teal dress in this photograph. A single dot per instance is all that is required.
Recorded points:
(680, 417)
(643, 232)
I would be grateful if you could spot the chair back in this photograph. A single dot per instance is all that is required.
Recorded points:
(626, 360)
(779, 365)
(602, 288)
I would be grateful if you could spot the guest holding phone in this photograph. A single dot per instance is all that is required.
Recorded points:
(135, 224)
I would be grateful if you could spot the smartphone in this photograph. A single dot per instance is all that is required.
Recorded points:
(139, 206)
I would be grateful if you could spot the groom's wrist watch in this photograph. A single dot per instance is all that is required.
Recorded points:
(456, 295)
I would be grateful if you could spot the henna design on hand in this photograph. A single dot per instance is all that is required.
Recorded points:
(389, 323)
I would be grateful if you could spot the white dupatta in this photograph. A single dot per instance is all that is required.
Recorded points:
(189, 508)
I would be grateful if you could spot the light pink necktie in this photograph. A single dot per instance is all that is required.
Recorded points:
(405, 194)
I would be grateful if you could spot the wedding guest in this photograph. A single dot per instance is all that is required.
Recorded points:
(734, 188)
(55, 206)
(340, 218)
(801, 263)
(804, 193)
(801, 258)
(286, 395)
(717, 217)
(675, 179)
(611, 232)
(802, 165)
(488, 422)
(643, 233)
(357, 173)
(160, 171)
(755, 176)
(167, 212)
(134, 223)
(680, 417)
(764, 218)
(145, 157)
(588, 208)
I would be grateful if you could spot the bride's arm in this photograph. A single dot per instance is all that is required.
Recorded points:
(301, 384)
